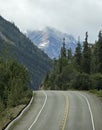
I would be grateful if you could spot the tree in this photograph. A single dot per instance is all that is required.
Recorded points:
(69, 55)
(60, 66)
(86, 61)
(63, 49)
(18, 82)
(14, 82)
(94, 58)
(99, 52)
(96, 81)
(63, 59)
(78, 56)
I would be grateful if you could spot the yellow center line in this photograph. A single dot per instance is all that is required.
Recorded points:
(65, 114)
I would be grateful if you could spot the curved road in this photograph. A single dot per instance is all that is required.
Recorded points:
(62, 110)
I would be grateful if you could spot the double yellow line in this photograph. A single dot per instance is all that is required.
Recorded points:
(63, 124)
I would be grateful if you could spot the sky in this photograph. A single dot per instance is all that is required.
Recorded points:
(70, 16)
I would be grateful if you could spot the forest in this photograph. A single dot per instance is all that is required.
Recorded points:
(14, 89)
(79, 71)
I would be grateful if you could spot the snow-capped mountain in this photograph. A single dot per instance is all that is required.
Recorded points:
(50, 41)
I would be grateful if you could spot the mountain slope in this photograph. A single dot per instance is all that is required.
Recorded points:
(50, 41)
(19, 47)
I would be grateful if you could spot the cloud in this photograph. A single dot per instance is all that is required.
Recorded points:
(71, 16)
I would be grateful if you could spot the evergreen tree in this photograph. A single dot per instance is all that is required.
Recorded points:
(69, 55)
(78, 55)
(86, 61)
(60, 65)
(63, 49)
(99, 52)
(63, 59)
(94, 58)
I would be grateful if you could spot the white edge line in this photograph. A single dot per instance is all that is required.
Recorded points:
(92, 120)
(39, 112)
(19, 116)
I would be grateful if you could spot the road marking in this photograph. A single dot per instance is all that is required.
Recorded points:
(93, 125)
(65, 115)
(39, 111)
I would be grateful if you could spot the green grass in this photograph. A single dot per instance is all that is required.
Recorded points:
(98, 93)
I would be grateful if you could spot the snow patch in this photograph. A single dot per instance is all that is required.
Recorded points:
(44, 44)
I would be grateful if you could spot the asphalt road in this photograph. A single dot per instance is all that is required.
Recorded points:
(85, 112)
(62, 110)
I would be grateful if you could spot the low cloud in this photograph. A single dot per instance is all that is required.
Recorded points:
(71, 16)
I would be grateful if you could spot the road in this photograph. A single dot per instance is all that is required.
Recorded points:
(62, 110)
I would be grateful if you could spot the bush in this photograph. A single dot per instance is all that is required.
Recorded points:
(96, 81)
(63, 80)
(81, 81)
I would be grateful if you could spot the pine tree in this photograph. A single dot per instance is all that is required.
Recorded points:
(63, 58)
(94, 58)
(86, 61)
(63, 49)
(69, 55)
(78, 55)
(60, 65)
(99, 52)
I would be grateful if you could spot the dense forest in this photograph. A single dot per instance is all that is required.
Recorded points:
(81, 71)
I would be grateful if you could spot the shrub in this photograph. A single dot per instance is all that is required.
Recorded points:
(96, 81)
(81, 81)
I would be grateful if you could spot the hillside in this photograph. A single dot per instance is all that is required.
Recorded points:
(50, 41)
(19, 47)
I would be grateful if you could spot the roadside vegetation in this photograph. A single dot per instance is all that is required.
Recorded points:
(79, 71)
(14, 91)
(98, 93)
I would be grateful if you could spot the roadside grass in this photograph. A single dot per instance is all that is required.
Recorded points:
(8, 114)
(98, 93)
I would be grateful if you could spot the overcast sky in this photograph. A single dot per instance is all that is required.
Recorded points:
(71, 16)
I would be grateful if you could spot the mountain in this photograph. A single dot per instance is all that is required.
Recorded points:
(50, 41)
(16, 45)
